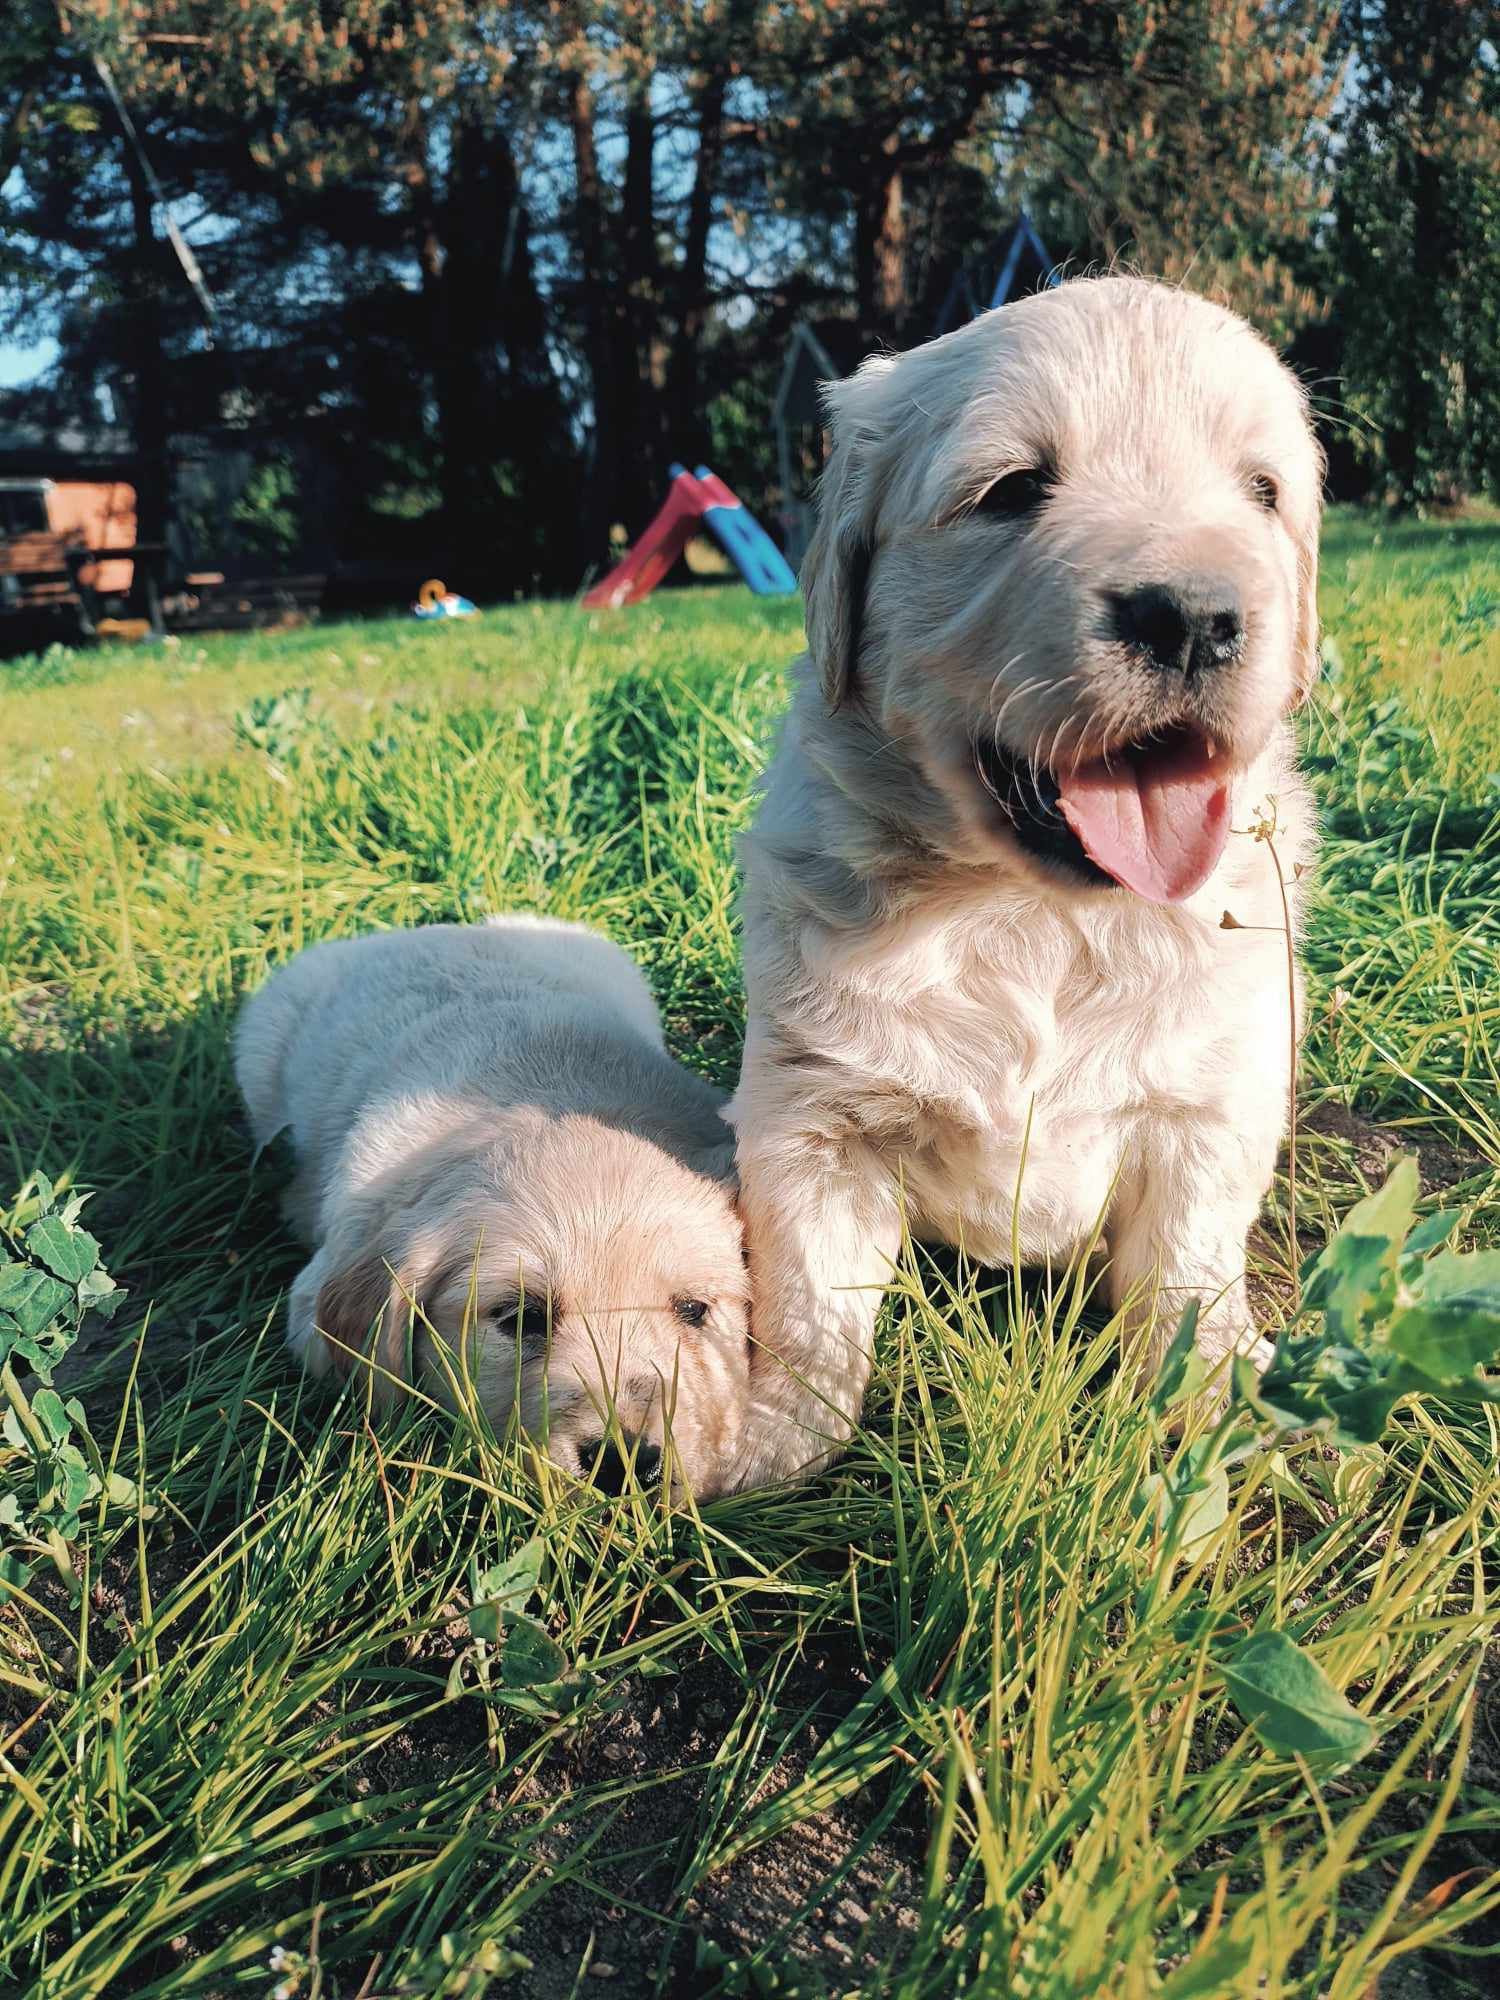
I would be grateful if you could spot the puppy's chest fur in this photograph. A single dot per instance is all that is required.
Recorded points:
(966, 1044)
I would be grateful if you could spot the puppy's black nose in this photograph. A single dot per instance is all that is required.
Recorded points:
(611, 1466)
(1188, 627)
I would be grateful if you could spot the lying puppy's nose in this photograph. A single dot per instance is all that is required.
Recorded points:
(1188, 627)
(611, 1466)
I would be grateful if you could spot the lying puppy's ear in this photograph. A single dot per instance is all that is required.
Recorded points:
(350, 1302)
(836, 568)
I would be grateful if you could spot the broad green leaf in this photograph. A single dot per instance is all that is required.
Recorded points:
(33, 1299)
(14, 1574)
(69, 1254)
(1432, 1231)
(1182, 1367)
(36, 1357)
(1353, 1285)
(1361, 1415)
(1469, 1281)
(50, 1411)
(10, 1510)
(1352, 1280)
(77, 1482)
(1291, 1704)
(47, 1350)
(509, 1584)
(98, 1293)
(1451, 1325)
(1446, 1342)
(1470, 1278)
(1388, 1212)
(529, 1657)
(1195, 1510)
(1288, 1484)
(486, 1621)
(1356, 1476)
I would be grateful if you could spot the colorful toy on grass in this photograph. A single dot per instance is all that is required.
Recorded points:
(436, 600)
(695, 500)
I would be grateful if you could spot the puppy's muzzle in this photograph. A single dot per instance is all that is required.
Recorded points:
(611, 1466)
(1190, 627)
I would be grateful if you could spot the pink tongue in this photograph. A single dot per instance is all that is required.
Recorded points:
(1155, 819)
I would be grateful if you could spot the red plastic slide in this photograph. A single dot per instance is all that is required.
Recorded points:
(679, 518)
(696, 500)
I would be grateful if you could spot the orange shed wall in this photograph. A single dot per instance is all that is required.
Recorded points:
(104, 513)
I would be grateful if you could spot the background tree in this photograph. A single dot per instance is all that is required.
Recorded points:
(1200, 153)
(488, 265)
(1417, 204)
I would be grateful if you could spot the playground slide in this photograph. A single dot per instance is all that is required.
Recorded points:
(744, 540)
(694, 501)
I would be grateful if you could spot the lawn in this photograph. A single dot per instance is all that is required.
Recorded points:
(942, 1722)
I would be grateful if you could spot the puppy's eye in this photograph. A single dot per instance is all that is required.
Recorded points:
(1016, 495)
(528, 1320)
(1264, 491)
(692, 1312)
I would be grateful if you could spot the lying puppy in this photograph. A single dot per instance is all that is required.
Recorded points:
(1060, 602)
(492, 1107)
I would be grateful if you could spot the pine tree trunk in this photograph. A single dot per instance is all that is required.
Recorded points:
(597, 511)
(880, 242)
(151, 420)
(687, 427)
(641, 473)
(1424, 427)
(890, 254)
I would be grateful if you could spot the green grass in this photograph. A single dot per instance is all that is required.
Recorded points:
(912, 1730)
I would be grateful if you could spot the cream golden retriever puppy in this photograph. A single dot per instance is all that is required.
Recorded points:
(1059, 605)
(488, 1126)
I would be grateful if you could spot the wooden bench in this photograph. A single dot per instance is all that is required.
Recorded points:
(36, 572)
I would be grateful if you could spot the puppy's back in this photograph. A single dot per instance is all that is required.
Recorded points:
(275, 1020)
(570, 959)
(439, 1009)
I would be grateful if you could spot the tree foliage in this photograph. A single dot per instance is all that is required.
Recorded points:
(503, 261)
(1418, 202)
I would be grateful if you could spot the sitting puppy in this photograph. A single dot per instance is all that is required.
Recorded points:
(487, 1123)
(1060, 601)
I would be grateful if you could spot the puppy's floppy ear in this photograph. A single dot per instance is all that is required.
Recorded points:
(837, 565)
(357, 1294)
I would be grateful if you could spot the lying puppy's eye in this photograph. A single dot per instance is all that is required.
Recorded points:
(1265, 492)
(528, 1320)
(1015, 495)
(692, 1312)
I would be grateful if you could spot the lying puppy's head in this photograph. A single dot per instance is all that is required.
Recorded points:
(1066, 567)
(601, 1277)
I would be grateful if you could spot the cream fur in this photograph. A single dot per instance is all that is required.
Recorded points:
(927, 1002)
(492, 1106)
